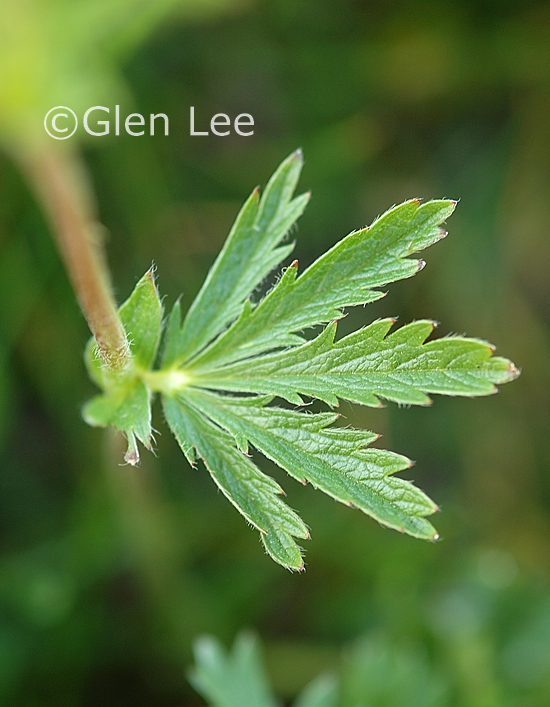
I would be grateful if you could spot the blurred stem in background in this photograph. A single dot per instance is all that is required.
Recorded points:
(61, 184)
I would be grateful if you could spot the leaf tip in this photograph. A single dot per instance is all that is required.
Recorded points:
(150, 275)
(132, 453)
(420, 265)
(435, 537)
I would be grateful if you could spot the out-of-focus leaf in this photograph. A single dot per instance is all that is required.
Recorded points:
(321, 692)
(232, 679)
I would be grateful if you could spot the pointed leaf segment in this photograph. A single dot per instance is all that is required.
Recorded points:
(250, 253)
(256, 496)
(334, 459)
(368, 365)
(224, 364)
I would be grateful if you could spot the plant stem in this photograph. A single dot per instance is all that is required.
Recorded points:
(60, 183)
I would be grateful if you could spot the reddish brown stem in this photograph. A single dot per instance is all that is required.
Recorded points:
(61, 186)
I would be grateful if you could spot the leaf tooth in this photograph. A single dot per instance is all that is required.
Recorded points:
(414, 333)
(242, 443)
(379, 329)
(293, 398)
(329, 399)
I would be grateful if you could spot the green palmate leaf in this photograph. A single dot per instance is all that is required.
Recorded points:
(368, 365)
(342, 277)
(255, 495)
(335, 460)
(229, 350)
(251, 252)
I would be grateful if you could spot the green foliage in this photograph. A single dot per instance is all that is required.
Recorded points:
(373, 672)
(231, 680)
(228, 345)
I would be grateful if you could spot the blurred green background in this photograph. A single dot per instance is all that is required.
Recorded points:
(108, 573)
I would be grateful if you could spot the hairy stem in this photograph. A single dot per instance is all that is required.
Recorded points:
(60, 183)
